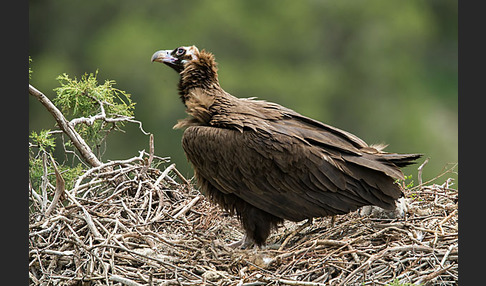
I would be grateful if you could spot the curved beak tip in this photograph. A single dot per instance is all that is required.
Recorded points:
(155, 56)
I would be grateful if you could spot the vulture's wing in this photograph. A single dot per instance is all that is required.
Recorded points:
(292, 167)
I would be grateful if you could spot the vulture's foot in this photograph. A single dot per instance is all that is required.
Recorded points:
(377, 212)
(244, 243)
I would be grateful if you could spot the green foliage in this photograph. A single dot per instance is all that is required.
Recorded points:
(43, 140)
(86, 98)
(45, 145)
(80, 100)
(82, 97)
(397, 282)
(405, 185)
(408, 185)
(68, 173)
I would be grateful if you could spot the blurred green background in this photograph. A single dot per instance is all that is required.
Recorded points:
(384, 70)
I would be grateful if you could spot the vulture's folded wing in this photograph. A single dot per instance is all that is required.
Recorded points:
(292, 168)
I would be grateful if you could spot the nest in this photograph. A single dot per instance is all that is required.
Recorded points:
(125, 223)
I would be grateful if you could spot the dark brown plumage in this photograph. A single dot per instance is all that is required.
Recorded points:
(268, 163)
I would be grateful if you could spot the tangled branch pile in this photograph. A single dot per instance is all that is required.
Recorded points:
(126, 223)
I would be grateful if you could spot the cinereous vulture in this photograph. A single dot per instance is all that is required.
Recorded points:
(268, 163)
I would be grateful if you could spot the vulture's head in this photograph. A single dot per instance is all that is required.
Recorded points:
(197, 68)
(177, 58)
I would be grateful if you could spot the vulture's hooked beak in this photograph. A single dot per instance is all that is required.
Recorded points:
(163, 56)
(176, 58)
(166, 57)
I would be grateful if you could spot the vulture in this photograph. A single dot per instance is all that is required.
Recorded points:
(268, 163)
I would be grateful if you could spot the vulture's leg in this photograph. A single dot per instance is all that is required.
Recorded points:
(333, 221)
(257, 223)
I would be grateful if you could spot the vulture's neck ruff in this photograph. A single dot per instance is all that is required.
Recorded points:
(199, 73)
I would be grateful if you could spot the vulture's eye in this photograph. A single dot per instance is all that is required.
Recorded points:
(180, 51)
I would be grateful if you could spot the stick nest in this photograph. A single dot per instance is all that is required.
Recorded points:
(125, 223)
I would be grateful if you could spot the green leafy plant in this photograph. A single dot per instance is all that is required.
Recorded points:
(397, 282)
(95, 109)
(43, 140)
(408, 185)
(404, 184)
(36, 171)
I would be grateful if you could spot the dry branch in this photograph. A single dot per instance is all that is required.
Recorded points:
(60, 188)
(67, 127)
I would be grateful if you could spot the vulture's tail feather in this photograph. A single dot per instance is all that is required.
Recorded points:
(400, 160)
